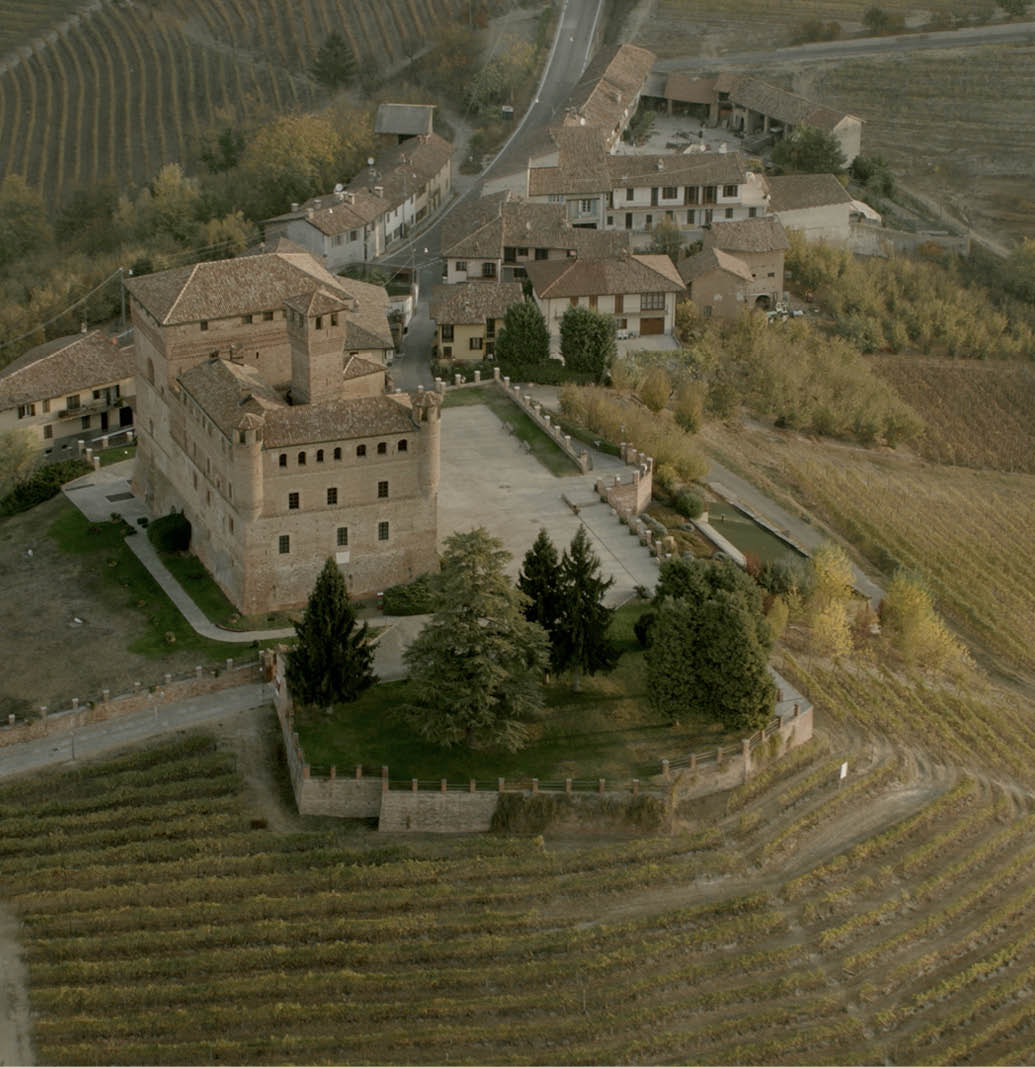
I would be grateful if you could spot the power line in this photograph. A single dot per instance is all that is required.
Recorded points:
(63, 312)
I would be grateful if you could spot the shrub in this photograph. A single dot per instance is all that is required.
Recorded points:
(42, 485)
(642, 628)
(655, 389)
(688, 504)
(411, 598)
(689, 406)
(170, 533)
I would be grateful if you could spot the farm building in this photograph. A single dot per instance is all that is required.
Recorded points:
(815, 204)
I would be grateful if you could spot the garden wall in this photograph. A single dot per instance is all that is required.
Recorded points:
(870, 239)
(141, 698)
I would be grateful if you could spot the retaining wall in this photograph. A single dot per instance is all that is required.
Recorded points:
(870, 239)
(141, 698)
(452, 812)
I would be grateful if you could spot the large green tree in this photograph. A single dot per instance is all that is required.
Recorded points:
(334, 65)
(332, 661)
(476, 669)
(581, 640)
(523, 339)
(710, 659)
(588, 341)
(540, 581)
(23, 221)
(808, 150)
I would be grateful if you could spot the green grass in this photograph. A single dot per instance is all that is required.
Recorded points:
(605, 731)
(539, 443)
(126, 584)
(117, 454)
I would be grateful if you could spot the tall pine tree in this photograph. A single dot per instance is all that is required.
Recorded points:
(332, 661)
(540, 580)
(581, 641)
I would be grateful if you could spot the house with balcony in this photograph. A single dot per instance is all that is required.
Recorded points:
(381, 206)
(468, 316)
(640, 291)
(72, 389)
(495, 238)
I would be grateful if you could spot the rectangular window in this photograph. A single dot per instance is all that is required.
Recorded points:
(343, 537)
(709, 194)
(729, 190)
(629, 194)
(382, 490)
(509, 254)
(461, 265)
(652, 301)
(574, 301)
(668, 192)
(488, 270)
(48, 432)
(628, 220)
(447, 332)
(619, 299)
(587, 207)
(610, 220)
(729, 212)
(203, 324)
(25, 410)
(84, 422)
(284, 544)
(334, 318)
(293, 501)
(319, 322)
(382, 531)
(353, 235)
(267, 316)
(332, 497)
(71, 403)
(447, 352)
(752, 212)
(593, 302)
(542, 253)
(474, 344)
(691, 195)
(522, 252)
(246, 320)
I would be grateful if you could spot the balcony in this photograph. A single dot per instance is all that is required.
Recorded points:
(94, 407)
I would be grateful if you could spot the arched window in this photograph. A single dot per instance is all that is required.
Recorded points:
(319, 455)
(283, 459)
(337, 453)
(361, 450)
(301, 459)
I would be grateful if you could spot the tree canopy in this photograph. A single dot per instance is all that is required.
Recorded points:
(523, 339)
(540, 580)
(808, 150)
(476, 669)
(588, 341)
(334, 65)
(332, 661)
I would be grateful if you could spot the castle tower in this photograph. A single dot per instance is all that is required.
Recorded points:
(316, 327)
(427, 410)
(246, 471)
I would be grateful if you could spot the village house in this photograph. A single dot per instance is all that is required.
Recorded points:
(496, 236)
(263, 417)
(608, 93)
(817, 205)
(396, 123)
(468, 317)
(357, 222)
(72, 389)
(640, 291)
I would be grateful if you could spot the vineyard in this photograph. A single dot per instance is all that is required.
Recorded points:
(965, 531)
(978, 414)
(886, 920)
(119, 89)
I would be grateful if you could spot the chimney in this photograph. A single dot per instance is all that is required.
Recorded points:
(316, 203)
(294, 205)
(379, 191)
(350, 197)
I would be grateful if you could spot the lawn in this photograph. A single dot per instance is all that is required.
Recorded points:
(129, 587)
(117, 454)
(539, 443)
(605, 731)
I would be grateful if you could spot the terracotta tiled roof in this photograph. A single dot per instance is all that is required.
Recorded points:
(473, 302)
(694, 168)
(232, 394)
(405, 168)
(66, 365)
(319, 302)
(609, 85)
(335, 213)
(358, 367)
(582, 163)
(712, 259)
(764, 234)
(555, 279)
(689, 90)
(475, 230)
(407, 120)
(782, 105)
(793, 192)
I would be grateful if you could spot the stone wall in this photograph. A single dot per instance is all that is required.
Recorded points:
(426, 811)
(104, 706)
(872, 239)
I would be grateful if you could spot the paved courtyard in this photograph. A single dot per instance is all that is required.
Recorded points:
(489, 480)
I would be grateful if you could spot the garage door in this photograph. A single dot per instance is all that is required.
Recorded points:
(649, 326)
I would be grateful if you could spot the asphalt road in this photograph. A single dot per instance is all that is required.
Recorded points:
(1008, 33)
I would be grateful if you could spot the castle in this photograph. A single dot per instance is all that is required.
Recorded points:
(262, 415)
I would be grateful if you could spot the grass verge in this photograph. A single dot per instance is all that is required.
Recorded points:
(525, 430)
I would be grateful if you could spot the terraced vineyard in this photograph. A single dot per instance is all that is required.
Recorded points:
(964, 530)
(890, 919)
(120, 88)
(978, 413)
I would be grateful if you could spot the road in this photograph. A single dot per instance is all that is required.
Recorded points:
(1009, 33)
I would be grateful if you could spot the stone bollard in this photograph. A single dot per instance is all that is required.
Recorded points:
(75, 703)
(535, 785)
(567, 785)
(136, 685)
(546, 420)
(197, 673)
(420, 390)
(495, 374)
(477, 376)
(444, 785)
(567, 441)
(664, 769)
(499, 785)
(10, 719)
(413, 785)
(229, 663)
(506, 380)
(96, 461)
(359, 771)
(80, 447)
(472, 786)
(458, 379)
(600, 785)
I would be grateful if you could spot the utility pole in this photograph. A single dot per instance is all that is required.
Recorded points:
(122, 295)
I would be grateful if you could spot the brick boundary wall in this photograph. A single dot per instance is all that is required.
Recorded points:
(170, 690)
(448, 808)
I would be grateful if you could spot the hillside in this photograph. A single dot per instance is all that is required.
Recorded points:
(119, 88)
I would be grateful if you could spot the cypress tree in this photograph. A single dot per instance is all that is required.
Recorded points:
(540, 580)
(332, 661)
